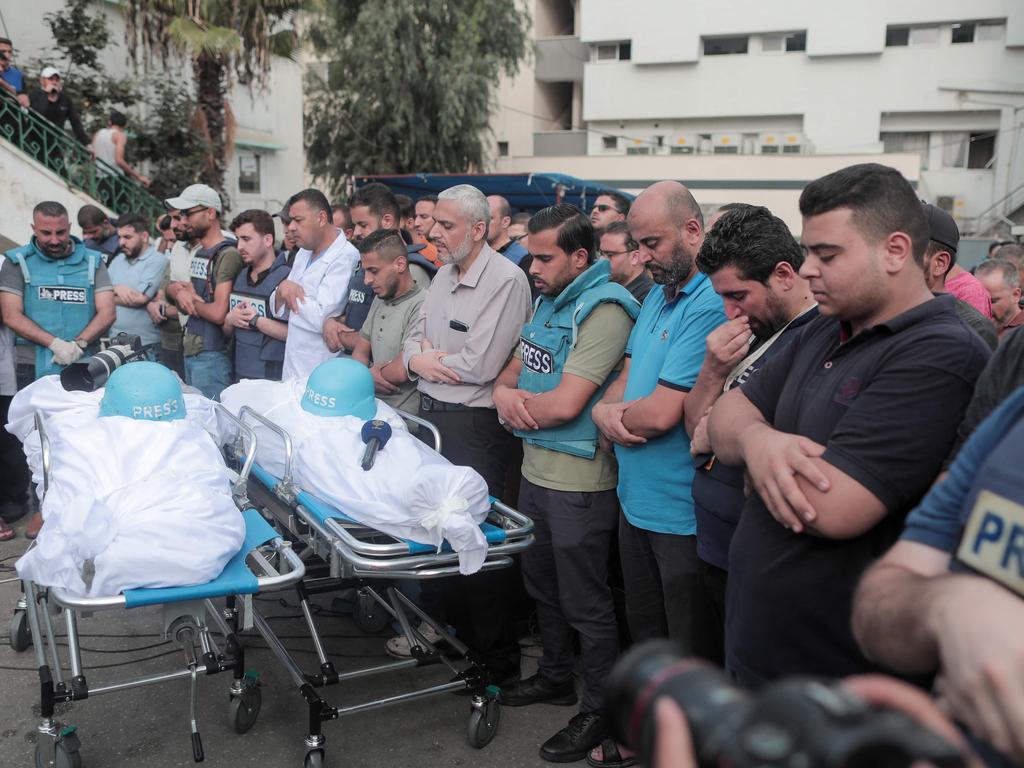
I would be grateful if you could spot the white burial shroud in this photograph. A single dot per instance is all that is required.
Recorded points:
(148, 503)
(411, 491)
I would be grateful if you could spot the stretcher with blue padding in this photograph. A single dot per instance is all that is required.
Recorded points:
(341, 553)
(264, 563)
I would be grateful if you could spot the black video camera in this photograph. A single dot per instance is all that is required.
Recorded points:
(799, 721)
(91, 373)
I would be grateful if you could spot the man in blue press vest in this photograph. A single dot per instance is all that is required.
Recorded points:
(259, 338)
(568, 353)
(55, 294)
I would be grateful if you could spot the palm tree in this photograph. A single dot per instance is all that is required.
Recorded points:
(221, 37)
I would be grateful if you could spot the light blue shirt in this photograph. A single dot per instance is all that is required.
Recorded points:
(666, 347)
(143, 274)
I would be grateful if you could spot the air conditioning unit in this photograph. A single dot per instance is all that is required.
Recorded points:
(793, 143)
(769, 143)
(726, 143)
(683, 144)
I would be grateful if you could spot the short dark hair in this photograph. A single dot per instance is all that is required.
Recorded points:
(164, 222)
(427, 199)
(523, 217)
(344, 212)
(621, 228)
(51, 208)
(406, 207)
(118, 118)
(312, 197)
(261, 221)
(574, 228)
(377, 198)
(621, 201)
(88, 216)
(133, 219)
(880, 199)
(6, 40)
(387, 242)
(751, 239)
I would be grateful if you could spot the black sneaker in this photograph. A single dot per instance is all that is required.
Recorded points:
(572, 743)
(535, 690)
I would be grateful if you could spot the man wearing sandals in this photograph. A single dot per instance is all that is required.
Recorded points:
(568, 354)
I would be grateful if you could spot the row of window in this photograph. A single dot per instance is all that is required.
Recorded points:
(895, 36)
(960, 149)
(708, 144)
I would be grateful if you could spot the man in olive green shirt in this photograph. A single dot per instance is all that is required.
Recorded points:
(567, 354)
(391, 319)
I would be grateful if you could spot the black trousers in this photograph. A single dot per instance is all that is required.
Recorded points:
(660, 575)
(479, 606)
(14, 474)
(709, 633)
(566, 572)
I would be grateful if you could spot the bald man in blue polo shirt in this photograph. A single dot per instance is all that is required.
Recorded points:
(642, 415)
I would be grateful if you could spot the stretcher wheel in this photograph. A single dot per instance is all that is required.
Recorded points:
(314, 759)
(483, 724)
(369, 616)
(66, 754)
(245, 708)
(20, 636)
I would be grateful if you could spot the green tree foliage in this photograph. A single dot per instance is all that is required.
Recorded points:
(219, 37)
(409, 85)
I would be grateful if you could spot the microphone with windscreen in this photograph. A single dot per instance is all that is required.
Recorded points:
(375, 434)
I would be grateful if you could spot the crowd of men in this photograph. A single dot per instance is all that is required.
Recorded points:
(735, 426)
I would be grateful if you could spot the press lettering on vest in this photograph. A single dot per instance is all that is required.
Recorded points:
(198, 267)
(993, 540)
(356, 297)
(536, 358)
(63, 293)
(260, 305)
(318, 399)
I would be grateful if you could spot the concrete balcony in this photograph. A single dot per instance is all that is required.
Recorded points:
(559, 143)
(560, 59)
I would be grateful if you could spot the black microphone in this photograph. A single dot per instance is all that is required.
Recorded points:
(375, 434)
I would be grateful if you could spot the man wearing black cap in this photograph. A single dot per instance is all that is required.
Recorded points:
(290, 246)
(941, 271)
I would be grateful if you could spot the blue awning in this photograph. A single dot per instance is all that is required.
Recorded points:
(524, 191)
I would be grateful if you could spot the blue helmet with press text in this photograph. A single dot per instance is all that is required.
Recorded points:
(340, 386)
(145, 391)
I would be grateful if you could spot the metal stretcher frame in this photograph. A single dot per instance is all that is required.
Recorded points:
(184, 620)
(358, 556)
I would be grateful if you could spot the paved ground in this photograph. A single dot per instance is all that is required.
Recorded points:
(149, 726)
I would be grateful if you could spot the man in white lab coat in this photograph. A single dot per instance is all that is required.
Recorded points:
(318, 284)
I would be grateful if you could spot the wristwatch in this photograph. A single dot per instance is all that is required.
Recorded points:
(253, 320)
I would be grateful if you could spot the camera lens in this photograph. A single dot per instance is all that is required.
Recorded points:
(655, 669)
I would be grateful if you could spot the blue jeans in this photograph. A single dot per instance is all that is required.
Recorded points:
(209, 372)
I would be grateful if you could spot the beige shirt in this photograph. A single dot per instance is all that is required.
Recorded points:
(386, 327)
(488, 307)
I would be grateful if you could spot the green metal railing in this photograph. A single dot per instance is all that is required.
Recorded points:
(60, 153)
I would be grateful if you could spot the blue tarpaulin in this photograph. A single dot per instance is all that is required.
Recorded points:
(524, 191)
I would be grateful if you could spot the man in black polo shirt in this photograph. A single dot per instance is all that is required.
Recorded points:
(841, 432)
(752, 260)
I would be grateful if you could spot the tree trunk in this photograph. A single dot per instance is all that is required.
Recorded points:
(210, 95)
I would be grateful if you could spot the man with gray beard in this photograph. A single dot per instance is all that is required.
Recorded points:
(468, 326)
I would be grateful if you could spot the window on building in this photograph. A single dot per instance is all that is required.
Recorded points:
(725, 46)
(792, 41)
(902, 36)
(963, 32)
(610, 142)
(954, 149)
(615, 51)
(502, 149)
(248, 173)
(982, 150)
(988, 32)
(916, 142)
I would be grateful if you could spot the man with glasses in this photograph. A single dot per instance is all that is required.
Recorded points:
(609, 208)
(623, 254)
(205, 297)
(12, 82)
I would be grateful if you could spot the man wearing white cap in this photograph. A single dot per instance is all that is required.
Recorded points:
(206, 295)
(50, 101)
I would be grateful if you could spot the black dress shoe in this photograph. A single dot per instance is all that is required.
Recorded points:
(535, 690)
(572, 743)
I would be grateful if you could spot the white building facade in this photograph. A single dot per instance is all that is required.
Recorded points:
(743, 100)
